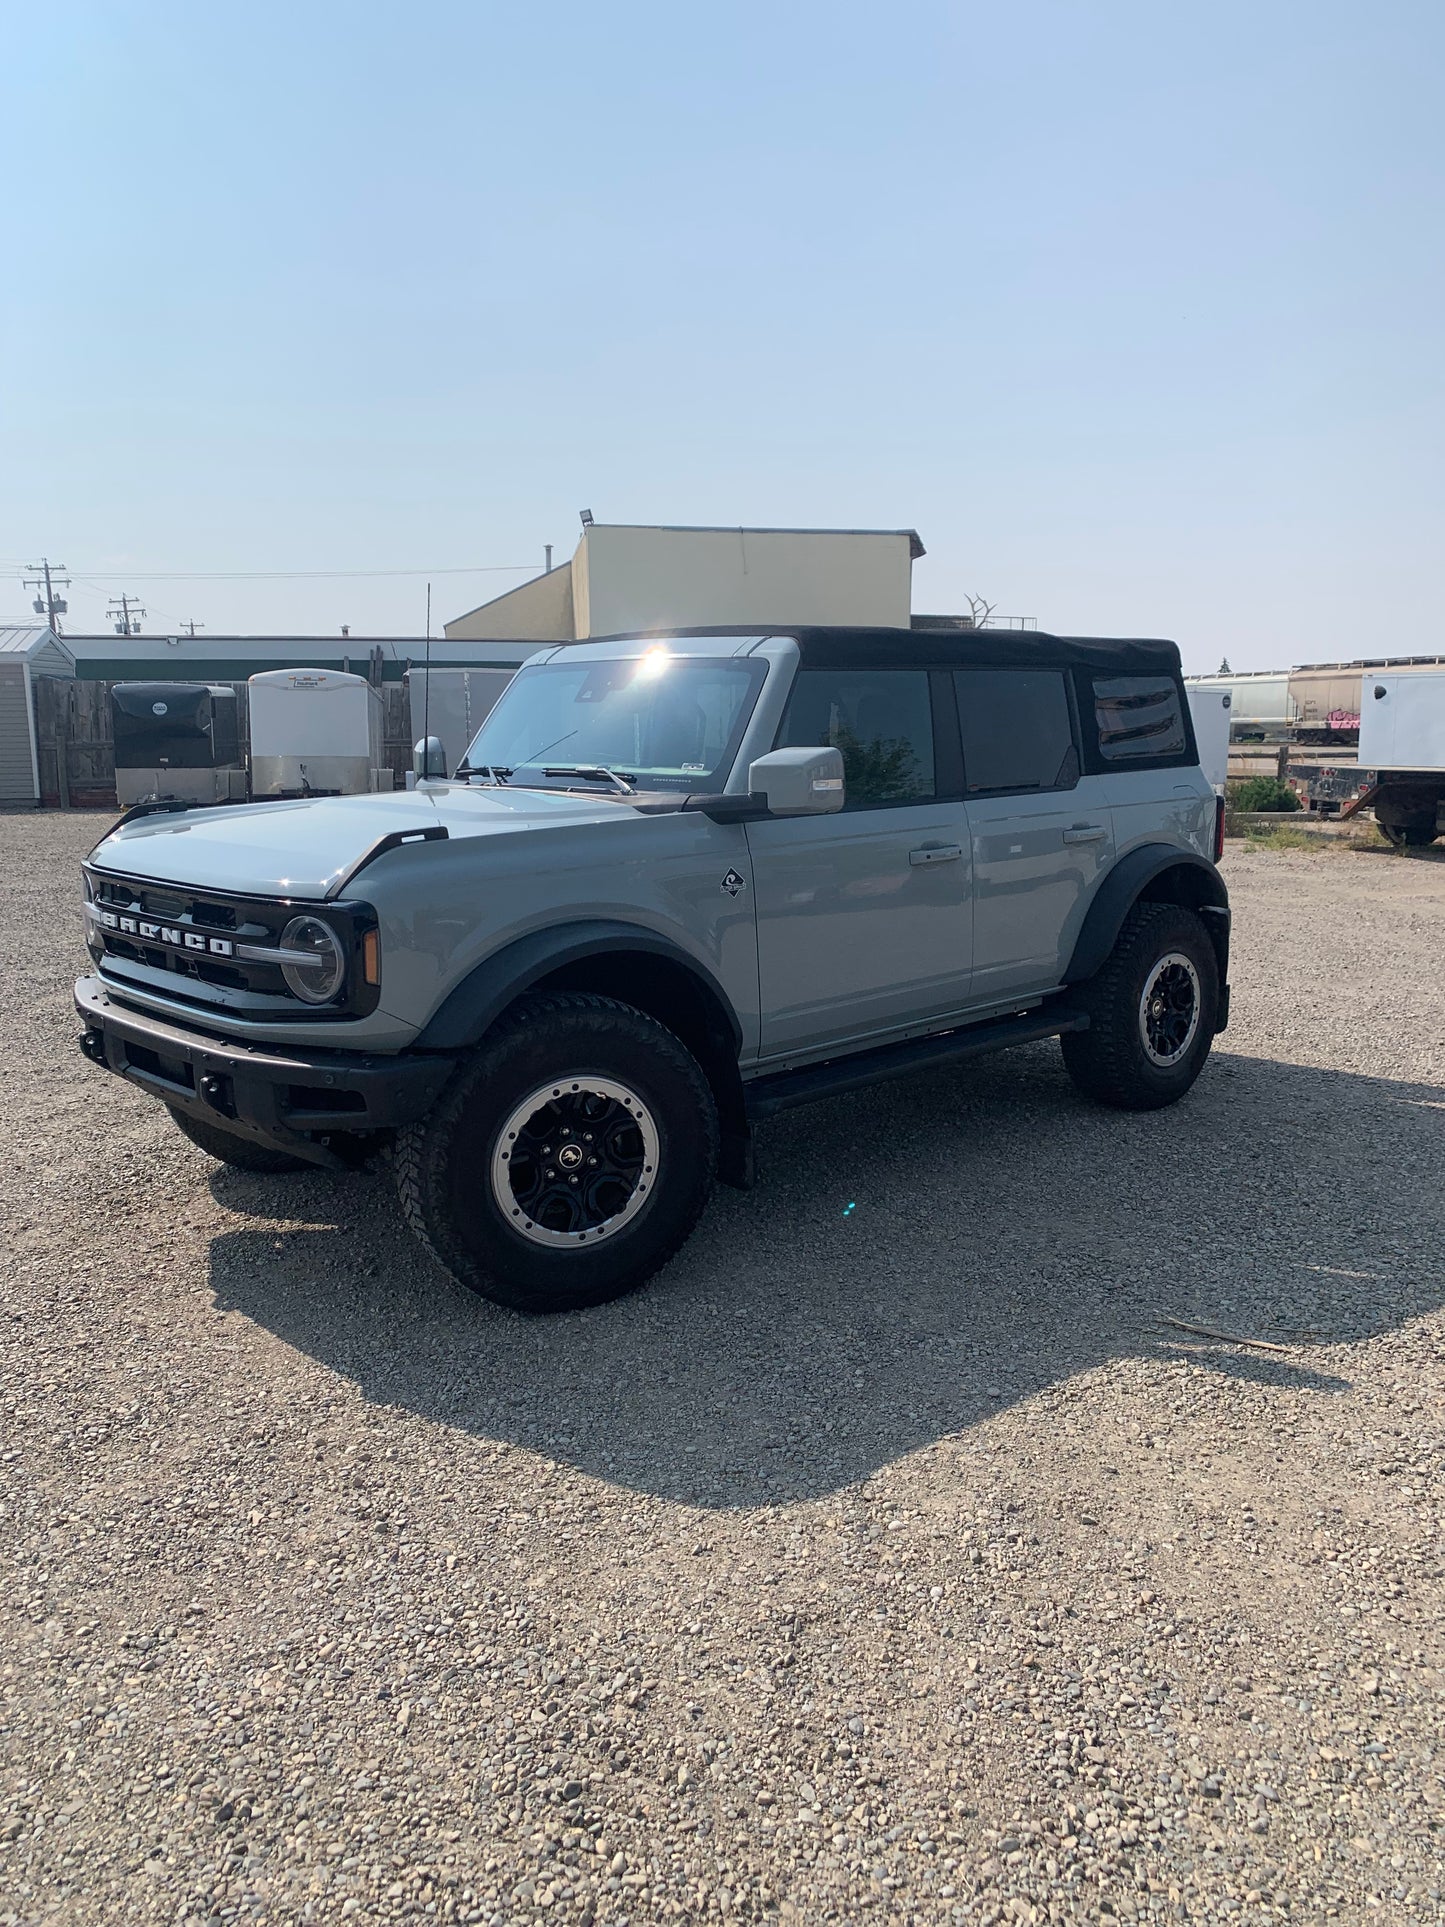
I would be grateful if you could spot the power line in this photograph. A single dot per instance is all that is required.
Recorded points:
(293, 575)
(50, 605)
(167, 618)
(130, 612)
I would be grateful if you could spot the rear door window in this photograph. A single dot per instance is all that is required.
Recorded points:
(1139, 718)
(881, 720)
(1017, 728)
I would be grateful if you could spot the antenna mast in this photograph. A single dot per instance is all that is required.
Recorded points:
(426, 699)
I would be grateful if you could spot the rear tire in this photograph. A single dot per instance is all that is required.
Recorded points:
(241, 1153)
(1408, 836)
(568, 1159)
(1152, 1010)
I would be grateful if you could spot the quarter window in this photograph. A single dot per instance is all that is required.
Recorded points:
(1017, 731)
(881, 720)
(1138, 717)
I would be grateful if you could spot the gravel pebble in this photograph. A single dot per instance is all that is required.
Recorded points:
(889, 1566)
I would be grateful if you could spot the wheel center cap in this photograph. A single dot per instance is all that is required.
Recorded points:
(570, 1157)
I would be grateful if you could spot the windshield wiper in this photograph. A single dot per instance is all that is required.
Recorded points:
(594, 773)
(496, 771)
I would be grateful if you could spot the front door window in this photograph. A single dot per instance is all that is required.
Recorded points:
(880, 719)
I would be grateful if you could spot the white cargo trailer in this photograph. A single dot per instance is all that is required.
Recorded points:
(1402, 743)
(315, 732)
(1210, 708)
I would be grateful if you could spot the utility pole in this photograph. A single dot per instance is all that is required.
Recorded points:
(191, 627)
(130, 615)
(50, 605)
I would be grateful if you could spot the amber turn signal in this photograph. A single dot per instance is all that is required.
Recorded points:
(371, 957)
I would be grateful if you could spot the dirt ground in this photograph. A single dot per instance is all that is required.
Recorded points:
(892, 1559)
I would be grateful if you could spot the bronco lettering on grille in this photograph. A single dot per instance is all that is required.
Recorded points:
(168, 933)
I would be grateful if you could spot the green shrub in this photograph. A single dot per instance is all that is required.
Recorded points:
(1255, 793)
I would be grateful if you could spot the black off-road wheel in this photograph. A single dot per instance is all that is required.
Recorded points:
(241, 1153)
(1152, 1010)
(567, 1160)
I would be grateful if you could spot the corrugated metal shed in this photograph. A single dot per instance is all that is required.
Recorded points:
(26, 651)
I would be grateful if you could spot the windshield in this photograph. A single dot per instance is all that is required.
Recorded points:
(658, 720)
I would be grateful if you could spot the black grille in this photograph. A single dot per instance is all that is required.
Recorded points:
(202, 969)
(205, 928)
(213, 913)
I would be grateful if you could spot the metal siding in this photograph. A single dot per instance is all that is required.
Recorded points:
(37, 646)
(17, 777)
(48, 660)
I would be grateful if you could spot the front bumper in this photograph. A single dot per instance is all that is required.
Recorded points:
(289, 1098)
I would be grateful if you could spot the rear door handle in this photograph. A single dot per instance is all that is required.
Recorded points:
(1085, 833)
(936, 853)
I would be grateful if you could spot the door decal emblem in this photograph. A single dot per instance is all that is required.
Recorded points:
(732, 883)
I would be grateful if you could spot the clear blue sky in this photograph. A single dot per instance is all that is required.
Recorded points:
(1135, 312)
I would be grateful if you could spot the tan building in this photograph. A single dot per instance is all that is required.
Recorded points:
(626, 576)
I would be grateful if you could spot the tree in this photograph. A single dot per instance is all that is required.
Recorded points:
(980, 610)
(1224, 668)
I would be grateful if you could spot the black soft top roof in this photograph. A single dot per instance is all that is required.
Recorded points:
(842, 648)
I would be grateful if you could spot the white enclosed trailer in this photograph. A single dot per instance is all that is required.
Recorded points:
(1402, 744)
(1210, 708)
(315, 732)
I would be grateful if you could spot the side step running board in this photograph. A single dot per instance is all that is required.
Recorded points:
(783, 1089)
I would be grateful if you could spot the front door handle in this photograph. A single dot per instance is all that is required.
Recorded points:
(936, 853)
(1085, 833)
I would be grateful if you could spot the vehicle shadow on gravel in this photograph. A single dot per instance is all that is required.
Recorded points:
(911, 1262)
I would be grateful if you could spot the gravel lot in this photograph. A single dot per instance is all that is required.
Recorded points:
(893, 1566)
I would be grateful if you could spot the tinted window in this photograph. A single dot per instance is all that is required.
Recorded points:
(1017, 731)
(1138, 716)
(882, 721)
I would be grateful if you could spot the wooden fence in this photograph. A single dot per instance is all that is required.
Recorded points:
(77, 752)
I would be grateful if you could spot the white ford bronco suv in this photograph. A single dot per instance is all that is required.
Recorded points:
(679, 883)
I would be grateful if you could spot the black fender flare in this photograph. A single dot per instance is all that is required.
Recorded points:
(470, 1010)
(1198, 887)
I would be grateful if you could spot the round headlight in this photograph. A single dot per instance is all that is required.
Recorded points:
(319, 979)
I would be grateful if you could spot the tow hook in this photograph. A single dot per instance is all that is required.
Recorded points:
(92, 1042)
(217, 1093)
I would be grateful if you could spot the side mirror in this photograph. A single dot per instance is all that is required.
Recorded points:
(799, 782)
(428, 758)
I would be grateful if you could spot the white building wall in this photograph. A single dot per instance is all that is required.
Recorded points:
(657, 578)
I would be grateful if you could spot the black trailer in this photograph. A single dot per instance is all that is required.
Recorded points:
(176, 740)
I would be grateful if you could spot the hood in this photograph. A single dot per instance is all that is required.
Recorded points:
(308, 847)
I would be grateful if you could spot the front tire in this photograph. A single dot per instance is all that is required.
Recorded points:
(241, 1153)
(568, 1159)
(1152, 1010)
